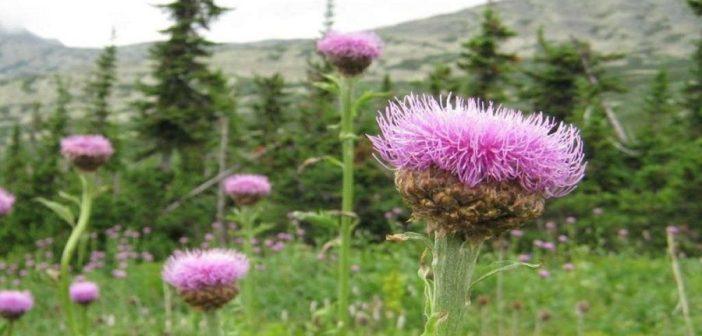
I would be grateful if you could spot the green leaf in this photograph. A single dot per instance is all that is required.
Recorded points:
(321, 218)
(69, 197)
(365, 98)
(59, 209)
(262, 228)
(313, 160)
(511, 265)
(400, 237)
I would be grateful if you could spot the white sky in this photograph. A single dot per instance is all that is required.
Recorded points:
(87, 23)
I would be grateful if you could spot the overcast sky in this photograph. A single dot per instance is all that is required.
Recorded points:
(87, 23)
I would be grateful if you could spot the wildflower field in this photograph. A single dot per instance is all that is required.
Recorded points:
(510, 198)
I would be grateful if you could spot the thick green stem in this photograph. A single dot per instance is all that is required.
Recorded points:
(213, 326)
(78, 229)
(167, 303)
(453, 265)
(347, 138)
(247, 218)
(677, 274)
(10, 327)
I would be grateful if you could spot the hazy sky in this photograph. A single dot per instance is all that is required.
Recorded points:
(87, 23)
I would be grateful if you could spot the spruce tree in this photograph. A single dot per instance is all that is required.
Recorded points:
(270, 105)
(99, 90)
(15, 160)
(440, 81)
(554, 78)
(179, 111)
(487, 68)
(693, 88)
(46, 168)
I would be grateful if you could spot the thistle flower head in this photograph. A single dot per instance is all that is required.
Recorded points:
(13, 304)
(206, 279)
(466, 161)
(7, 200)
(351, 53)
(84, 292)
(246, 189)
(86, 152)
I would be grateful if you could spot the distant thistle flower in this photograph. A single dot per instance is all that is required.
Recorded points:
(13, 304)
(475, 169)
(206, 279)
(84, 292)
(246, 189)
(516, 233)
(568, 267)
(7, 200)
(524, 257)
(543, 273)
(350, 53)
(672, 230)
(86, 152)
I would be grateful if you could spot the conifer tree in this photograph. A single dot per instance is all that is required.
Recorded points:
(440, 81)
(693, 89)
(99, 90)
(271, 102)
(487, 68)
(46, 168)
(179, 111)
(14, 160)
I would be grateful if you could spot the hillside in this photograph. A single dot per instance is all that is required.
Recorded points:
(647, 31)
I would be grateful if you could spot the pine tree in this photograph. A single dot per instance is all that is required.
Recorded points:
(99, 90)
(440, 81)
(179, 112)
(46, 168)
(693, 89)
(486, 66)
(15, 160)
(387, 86)
(554, 79)
(271, 102)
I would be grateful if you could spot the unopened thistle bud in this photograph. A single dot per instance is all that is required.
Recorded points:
(206, 279)
(350, 53)
(86, 152)
(472, 169)
(246, 189)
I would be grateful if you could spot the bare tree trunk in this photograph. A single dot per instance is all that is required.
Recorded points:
(611, 116)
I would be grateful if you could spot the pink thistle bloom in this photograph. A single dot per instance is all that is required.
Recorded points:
(246, 189)
(84, 292)
(479, 142)
(516, 233)
(206, 279)
(7, 200)
(623, 233)
(550, 225)
(13, 304)
(570, 220)
(119, 274)
(672, 230)
(543, 273)
(87, 152)
(351, 53)
(568, 267)
(548, 246)
(524, 257)
(539, 243)
(562, 239)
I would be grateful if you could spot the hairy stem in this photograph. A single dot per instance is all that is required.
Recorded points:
(347, 144)
(453, 265)
(247, 218)
(677, 274)
(67, 255)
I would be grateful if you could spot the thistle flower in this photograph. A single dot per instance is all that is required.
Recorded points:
(206, 279)
(84, 292)
(86, 152)
(13, 304)
(568, 267)
(246, 189)
(475, 169)
(7, 200)
(350, 53)
(516, 233)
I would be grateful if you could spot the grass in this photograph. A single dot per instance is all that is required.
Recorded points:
(628, 295)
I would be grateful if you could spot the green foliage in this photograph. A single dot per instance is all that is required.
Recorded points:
(179, 108)
(440, 81)
(486, 66)
(270, 104)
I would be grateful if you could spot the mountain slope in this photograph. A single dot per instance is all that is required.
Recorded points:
(647, 31)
